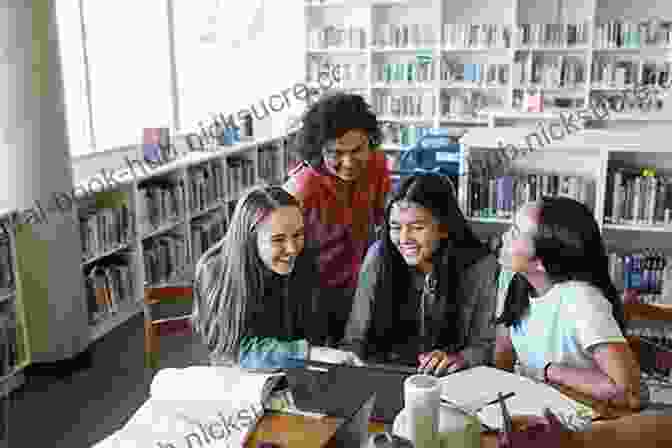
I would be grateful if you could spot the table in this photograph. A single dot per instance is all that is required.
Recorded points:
(308, 432)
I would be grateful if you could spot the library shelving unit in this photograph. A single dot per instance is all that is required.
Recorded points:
(480, 63)
(625, 178)
(14, 352)
(152, 229)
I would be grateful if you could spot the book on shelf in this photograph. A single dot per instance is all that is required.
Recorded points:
(165, 259)
(6, 262)
(632, 198)
(415, 35)
(647, 272)
(468, 35)
(553, 34)
(630, 34)
(104, 229)
(206, 186)
(160, 201)
(8, 343)
(241, 174)
(500, 197)
(108, 287)
(207, 231)
(269, 163)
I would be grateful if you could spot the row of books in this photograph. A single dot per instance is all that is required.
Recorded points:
(6, 262)
(410, 105)
(241, 174)
(469, 35)
(550, 71)
(659, 335)
(408, 72)
(8, 343)
(206, 232)
(629, 34)
(161, 202)
(105, 229)
(108, 287)
(632, 198)
(206, 186)
(270, 163)
(621, 72)
(481, 73)
(645, 272)
(466, 103)
(337, 37)
(165, 259)
(322, 69)
(500, 197)
(552, 34)
(401, 134)
(404, 35)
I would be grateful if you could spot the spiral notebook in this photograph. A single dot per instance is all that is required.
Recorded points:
(472, 387)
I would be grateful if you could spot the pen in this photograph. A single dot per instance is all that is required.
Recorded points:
(491, 402)
(508, 424)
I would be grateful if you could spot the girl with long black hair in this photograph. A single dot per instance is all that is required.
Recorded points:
(562, 317)
(427, 288)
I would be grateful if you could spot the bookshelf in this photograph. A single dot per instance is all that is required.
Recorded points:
(152, 229)
(13, 338)
(623, 177)
(481, 63)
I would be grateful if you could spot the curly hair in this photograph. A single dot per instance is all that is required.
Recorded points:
(329, 118)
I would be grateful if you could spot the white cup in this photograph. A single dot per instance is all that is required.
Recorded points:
(456, 429)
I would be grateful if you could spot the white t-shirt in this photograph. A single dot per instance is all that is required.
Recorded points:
(563, 326)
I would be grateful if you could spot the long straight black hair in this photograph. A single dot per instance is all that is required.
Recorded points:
(436, 193)
(569, 244)
(237, 276)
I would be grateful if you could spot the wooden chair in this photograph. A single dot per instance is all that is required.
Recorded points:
(167, 312)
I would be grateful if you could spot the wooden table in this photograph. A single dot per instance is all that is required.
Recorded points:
(309, 432)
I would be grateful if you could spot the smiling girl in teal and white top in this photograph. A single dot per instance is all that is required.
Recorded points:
(562, 318)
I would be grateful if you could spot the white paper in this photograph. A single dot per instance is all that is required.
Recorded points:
(482, 384)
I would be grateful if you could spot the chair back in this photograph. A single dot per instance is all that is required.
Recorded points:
(167, 311)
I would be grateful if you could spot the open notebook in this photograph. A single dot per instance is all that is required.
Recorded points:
(197, 406)
(480, 385)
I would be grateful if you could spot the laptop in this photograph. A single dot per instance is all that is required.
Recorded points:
(340, 390)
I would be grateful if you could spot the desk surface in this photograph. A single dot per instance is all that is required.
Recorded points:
(298, 432)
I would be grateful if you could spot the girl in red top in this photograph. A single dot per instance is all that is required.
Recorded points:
(342, 183)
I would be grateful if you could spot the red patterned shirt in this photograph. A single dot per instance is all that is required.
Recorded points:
(340, 217)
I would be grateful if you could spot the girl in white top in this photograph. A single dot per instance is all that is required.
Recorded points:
(562, 318)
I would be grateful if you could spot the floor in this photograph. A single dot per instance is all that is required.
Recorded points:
(78, 410)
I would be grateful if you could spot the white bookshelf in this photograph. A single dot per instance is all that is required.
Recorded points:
(195, 213)
(502, 106)
(12, 316)
(591, 154)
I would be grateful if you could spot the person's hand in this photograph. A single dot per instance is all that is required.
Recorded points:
(334, 356)
(535, 431)
(440, 363)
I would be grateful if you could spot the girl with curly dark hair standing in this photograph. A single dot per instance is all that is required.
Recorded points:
(341, 183)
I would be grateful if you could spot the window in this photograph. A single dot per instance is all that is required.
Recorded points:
(69, 23)
(231, 58)
(129, 67)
